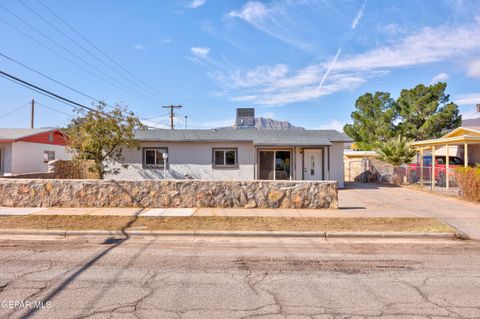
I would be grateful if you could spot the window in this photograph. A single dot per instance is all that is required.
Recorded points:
(274, 165)
(224, 157)
(48, 156)
(153, 157)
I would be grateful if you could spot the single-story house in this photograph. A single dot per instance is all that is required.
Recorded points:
(24, 150)
(240, 153)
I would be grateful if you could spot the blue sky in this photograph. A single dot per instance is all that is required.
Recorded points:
(304, 61)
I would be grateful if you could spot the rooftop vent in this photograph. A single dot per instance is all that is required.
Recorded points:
(245, 118)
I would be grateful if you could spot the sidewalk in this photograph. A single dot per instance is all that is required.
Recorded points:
(186, 212)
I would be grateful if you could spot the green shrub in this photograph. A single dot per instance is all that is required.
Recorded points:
(468, 179)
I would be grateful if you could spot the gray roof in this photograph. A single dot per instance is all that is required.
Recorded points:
(257, 137)
(18, 133)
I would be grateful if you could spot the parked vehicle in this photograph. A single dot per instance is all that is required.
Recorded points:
(440, 167)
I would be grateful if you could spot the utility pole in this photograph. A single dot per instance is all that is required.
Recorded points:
(171, 107)
(32, 118)
(186, 117)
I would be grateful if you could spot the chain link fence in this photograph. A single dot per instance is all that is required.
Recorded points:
(373, 170)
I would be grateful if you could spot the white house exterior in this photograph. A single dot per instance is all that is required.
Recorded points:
(236, 154)
(29, 150)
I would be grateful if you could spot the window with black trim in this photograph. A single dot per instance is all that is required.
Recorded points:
(153, 157)
(224, 157)
(48, 156)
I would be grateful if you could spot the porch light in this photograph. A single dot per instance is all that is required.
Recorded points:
(165, 157)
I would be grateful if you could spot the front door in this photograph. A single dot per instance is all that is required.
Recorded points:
(313, 164)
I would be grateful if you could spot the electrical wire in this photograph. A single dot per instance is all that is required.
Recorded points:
(99, 50)
(13, 111)
(99, 71)
(82, 47)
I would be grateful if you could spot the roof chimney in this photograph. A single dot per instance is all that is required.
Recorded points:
(245, 118)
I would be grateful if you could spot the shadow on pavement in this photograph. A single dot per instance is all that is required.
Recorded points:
(115, 243)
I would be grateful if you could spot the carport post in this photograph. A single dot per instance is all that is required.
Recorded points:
(465, 154)
(421, 166)
(433, 168)
(447, 168)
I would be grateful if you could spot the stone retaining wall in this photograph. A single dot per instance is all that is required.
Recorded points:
(170, 193)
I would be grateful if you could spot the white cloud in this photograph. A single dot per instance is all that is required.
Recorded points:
(164, 41)
(200, 52)
(253, 12)
(291, 87)
(358, 17)
(140, 47)
(474, 69)
(391, 29)
(468, 115)
(333, 125)
(197, 3)
(440, 77)
(272, 19)
(468, 99)
(281, 83)
(261, 75)
(427, 46)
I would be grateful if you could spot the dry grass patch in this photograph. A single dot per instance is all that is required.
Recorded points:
(400, 224)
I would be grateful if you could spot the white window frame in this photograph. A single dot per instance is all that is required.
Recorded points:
(155, 149)
(224, 150)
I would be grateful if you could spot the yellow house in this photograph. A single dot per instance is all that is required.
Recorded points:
(464, 141)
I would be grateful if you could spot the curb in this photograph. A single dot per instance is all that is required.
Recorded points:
(274, 234)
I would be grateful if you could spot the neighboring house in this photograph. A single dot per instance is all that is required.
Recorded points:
(458, 140)
(29, 150)
(356, 163)
(243, 153)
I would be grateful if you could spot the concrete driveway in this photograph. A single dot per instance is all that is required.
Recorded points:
(360, 199)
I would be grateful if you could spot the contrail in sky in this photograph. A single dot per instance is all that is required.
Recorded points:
(355, 22)
(328, 71)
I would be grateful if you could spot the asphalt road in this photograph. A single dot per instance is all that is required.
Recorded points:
(240, 278)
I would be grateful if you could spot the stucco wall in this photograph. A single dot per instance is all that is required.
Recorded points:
(28, 157)
(193, 159)
(336, 163)
(167, 193)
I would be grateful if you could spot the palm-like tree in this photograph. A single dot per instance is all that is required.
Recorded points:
(396, 151)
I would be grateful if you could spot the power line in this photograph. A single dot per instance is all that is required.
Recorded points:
(81, 47)
(138, 94)
(14, 110)
(52, 95)
(55, 52)
(54, 109)
(49, 78)
(65, 85)
(99, 50)
(46, 92)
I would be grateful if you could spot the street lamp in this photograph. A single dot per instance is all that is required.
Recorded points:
(165, 157)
